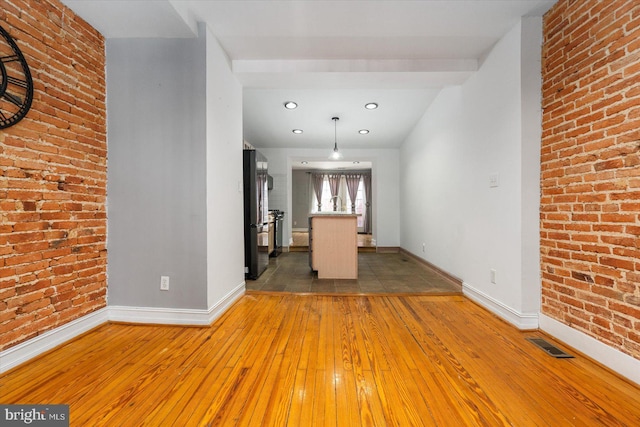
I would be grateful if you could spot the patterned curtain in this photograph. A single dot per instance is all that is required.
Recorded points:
(353, 181)
(334, 184)
(318, 183)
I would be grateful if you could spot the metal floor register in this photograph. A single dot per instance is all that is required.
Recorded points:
(549, 348)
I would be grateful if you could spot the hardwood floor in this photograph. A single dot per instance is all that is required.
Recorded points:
(315, 360)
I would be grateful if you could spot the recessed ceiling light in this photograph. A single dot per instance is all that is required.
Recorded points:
(363, 131)
(305, 162)
(290, 105)
(297, 131)
(371, 106)
(356, 162)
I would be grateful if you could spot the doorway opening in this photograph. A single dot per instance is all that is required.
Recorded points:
(331, 187)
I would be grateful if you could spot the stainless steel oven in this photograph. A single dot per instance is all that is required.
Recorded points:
(278, 223)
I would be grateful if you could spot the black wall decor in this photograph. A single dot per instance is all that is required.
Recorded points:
(16, 84)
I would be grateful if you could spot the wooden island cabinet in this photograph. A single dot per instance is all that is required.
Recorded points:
(333, 245)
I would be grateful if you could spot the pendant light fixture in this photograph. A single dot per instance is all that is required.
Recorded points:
(335, 155)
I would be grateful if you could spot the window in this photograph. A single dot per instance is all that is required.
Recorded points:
(360, 204)
(344, 201)
(327, 203)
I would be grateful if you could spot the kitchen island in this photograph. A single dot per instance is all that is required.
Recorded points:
(333, 245)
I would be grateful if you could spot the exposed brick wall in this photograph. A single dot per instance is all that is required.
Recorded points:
(53, 176)
(590, 203)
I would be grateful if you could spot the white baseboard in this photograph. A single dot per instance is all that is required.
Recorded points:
(175, 316)
(27, 350)
(159, 316)
(523, 321)
(221, 306)
(613, 359)
(34, 347)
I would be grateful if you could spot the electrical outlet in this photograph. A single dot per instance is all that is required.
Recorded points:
(493, 276)
(164, 283)
(494, 180)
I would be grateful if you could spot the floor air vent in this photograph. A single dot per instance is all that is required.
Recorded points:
(549, 348)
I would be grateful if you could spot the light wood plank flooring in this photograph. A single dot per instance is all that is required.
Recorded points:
(314, 360)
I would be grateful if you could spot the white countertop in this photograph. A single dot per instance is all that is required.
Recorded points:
(331, 213)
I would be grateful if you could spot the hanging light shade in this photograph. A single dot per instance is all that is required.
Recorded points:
(335, 154)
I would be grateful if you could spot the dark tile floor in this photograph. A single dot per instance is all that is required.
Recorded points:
(377, 274)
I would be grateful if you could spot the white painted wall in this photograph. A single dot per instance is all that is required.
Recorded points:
(468, 228)
(225, 224)
(385, 181)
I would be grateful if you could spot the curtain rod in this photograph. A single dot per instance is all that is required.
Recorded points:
(340, 171)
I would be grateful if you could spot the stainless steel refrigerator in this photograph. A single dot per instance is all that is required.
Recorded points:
(256, 214)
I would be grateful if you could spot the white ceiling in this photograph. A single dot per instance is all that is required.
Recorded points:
(331, 57)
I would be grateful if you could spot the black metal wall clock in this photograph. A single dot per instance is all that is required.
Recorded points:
(16, 85)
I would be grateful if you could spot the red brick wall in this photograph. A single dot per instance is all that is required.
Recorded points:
(53, 176)
(590, 203)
